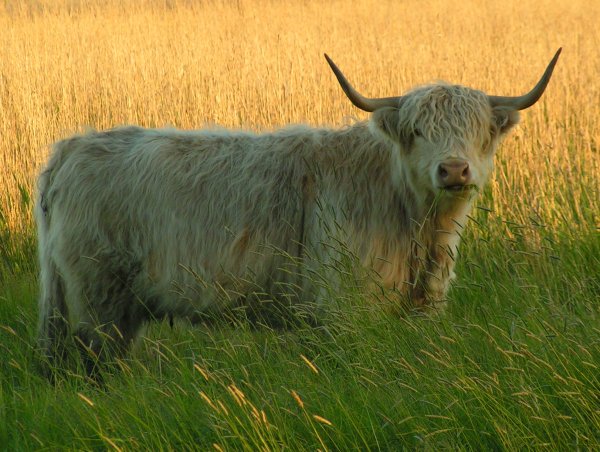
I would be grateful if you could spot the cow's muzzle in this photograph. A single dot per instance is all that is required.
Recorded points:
(454, 175)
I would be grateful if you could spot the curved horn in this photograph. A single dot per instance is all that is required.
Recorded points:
(364, 103)
(527, 100)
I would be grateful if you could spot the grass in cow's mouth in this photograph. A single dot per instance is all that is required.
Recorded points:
(460, 189)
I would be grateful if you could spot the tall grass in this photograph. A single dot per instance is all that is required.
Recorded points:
(515, 361)
(512, 365)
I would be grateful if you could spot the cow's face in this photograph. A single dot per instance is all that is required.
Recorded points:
(444, 139)
(444, 135)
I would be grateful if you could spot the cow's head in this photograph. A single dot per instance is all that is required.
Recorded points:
(444, 135)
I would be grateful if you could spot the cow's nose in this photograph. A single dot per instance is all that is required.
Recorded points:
(454, 173)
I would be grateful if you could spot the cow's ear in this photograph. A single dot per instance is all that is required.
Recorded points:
(386, 121)
(505, 119)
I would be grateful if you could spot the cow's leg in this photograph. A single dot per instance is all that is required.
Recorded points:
(112, 318)
(442, 258)
(53, 316)
(103, 343)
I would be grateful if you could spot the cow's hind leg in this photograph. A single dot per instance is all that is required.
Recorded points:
(114, 317)
(53, 315)
(53, 324)
(101, 345)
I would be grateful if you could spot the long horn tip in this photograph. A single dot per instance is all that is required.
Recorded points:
(330, 61)
(527, 100)
(556, 55)
(550, 67)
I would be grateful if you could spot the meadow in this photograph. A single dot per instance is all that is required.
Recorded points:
(514, 362)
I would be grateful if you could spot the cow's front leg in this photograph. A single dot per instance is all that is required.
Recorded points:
(435, 274)
(440, 268)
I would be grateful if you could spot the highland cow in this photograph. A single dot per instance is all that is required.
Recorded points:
(137, 224)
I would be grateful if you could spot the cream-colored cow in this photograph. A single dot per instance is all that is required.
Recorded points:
(136, 224)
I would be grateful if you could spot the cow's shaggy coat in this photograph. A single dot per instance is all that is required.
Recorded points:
(136, 224)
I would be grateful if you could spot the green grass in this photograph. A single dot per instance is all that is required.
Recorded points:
(514, 363)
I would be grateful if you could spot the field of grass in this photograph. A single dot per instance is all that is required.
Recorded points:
(515, 361)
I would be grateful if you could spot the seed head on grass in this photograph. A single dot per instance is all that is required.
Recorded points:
(203, 372)
(297, 398)
(310, 364)
(207, 400)
(237, 394)
(322, 420)
(85, 399)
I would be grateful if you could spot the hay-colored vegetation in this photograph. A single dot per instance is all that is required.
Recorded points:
(66, 65)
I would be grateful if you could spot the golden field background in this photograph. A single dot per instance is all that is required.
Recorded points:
(66, 65)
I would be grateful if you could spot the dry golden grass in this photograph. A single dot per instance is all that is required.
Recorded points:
(68, 64)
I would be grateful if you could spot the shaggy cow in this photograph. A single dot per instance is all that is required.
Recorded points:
(136, 224)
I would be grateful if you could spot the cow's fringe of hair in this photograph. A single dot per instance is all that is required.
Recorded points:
(426, 108)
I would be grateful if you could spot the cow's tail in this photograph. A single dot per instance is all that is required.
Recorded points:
(52, 308)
